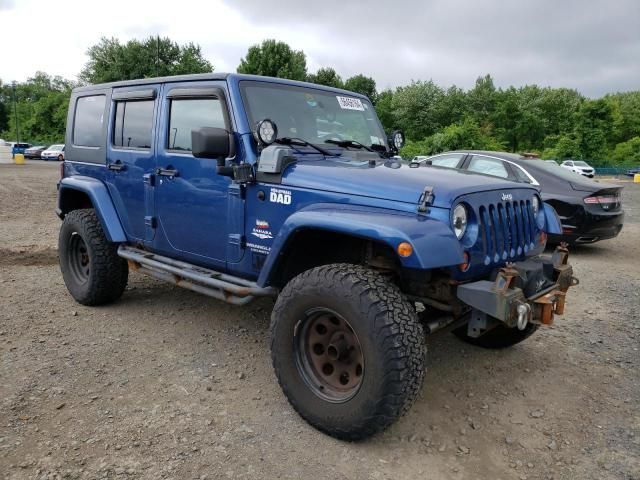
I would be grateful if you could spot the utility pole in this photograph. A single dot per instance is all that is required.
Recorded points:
(157, 54)
(15, 111)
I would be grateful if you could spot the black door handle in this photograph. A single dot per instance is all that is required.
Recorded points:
(167, 172)
(117, 166)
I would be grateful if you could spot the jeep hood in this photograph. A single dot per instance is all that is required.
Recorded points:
(402, 184)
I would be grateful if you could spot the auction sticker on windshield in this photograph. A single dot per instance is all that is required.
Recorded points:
(349, 103)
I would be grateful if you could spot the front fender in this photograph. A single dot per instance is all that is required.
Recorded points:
(434, 244)
(101, 201)
(552, 222)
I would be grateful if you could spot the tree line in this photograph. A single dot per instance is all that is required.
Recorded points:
(556, 123)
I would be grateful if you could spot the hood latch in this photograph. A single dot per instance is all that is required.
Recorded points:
(425, 200)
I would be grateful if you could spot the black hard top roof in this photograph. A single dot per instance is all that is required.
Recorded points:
(146, 81)
(212, 76)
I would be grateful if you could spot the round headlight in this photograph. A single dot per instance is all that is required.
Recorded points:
(459, 220)
(535, 204)
(266, 131)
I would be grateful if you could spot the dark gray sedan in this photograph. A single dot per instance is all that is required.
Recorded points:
(589, 210)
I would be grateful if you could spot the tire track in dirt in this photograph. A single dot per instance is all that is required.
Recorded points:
(28, 256)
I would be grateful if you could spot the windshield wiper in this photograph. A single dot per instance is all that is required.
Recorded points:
(354, 144)
(300, 142)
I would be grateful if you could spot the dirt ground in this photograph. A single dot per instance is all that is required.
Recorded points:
(166, 383)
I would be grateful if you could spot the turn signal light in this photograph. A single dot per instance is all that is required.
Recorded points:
(464, 266)
(405, 249)
(543, 238)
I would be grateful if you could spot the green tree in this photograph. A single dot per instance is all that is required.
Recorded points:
(42, 103)
(110, 61)
(363, 85)
(274, 59)
(481, 100)
(561, 147)
(627, 153)
(416, 109)
(326, 76)
(594, 128)
(5, 105)
(384, 110)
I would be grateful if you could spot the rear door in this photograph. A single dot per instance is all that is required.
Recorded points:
(196, 208)
(130, 158)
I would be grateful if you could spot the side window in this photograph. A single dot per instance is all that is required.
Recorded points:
(189, 113)
(488, 166)
(87, 122)
(449, 161)
(133, 123)
(520, 174)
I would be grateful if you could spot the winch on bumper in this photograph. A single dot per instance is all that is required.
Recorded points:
(531, 291)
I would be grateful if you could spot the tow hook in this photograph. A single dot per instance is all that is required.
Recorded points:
(524, 311)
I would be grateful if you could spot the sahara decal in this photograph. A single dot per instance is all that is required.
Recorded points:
(261, 230)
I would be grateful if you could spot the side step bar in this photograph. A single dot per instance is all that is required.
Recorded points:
(228, 288)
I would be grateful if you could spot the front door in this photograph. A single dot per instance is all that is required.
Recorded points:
(192, 200)
(130, 157)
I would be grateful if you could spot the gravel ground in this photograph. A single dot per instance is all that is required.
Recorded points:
(170, 384)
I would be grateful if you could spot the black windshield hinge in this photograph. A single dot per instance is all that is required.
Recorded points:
(425, 200)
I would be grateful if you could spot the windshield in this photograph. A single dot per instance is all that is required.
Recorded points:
(580, 164)
(56, 148)
(311, 114)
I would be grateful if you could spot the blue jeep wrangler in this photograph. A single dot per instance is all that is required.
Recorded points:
(239, 187)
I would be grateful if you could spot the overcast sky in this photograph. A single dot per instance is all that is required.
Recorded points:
(591, 45)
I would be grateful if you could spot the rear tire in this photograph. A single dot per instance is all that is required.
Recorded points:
(92, 270)
(498, 337)
(378, 375)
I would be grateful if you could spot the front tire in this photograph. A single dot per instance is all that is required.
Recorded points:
(92, 270)
(498, 337)
(348, 350)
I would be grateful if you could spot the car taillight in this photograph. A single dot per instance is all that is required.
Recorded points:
(607, 202)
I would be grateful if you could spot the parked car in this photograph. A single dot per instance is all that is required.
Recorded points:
(552, 162)
(578, 166)
(54, 152)
(19, 148)
(632, 172)
(34, 152)
(198, 180)
(589, 210)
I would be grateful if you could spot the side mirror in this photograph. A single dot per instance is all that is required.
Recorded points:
(210, 142)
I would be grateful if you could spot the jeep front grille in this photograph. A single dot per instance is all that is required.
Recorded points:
(506, 230)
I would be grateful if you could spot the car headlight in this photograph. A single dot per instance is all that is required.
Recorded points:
(535, 205)
(459, 220)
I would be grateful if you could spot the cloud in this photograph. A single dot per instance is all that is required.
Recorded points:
(592, 46)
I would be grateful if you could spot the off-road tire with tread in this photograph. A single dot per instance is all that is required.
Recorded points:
(391, 337)
(108, 273)
(498, 337)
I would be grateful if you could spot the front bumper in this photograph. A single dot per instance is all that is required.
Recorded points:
(532, 291)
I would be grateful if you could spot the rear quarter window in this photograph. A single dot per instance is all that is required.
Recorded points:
(88, 121)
